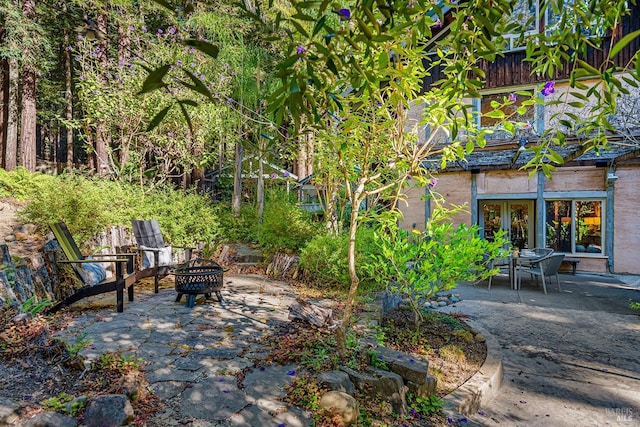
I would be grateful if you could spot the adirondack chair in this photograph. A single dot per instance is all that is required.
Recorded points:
(91, 273)
(157, 257)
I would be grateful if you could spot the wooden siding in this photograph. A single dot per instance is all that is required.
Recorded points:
(512, 70)
(626, 219)
(456, 190)
(505, 182)
(576, 179)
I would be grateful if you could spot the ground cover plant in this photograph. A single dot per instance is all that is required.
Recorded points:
(449, 344)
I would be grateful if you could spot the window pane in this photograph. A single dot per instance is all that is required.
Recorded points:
(589, 226)
(492, 220)
(559, 218)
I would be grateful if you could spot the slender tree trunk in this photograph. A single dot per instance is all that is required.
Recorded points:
(28, 119)
(260, 188)
(11, 147)
(341, 331)
(102, 135)
(68, 94)
(237, 181)
(4, 106)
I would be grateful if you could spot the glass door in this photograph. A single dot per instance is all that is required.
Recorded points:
(513, 216)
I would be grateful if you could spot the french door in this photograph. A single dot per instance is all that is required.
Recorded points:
(516, 217)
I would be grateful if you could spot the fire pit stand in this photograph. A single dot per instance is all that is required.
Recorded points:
(202, 279)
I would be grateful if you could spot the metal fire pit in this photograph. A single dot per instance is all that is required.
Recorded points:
(194, 280)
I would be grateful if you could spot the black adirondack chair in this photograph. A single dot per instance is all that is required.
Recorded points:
(159, 256)
(83, 266)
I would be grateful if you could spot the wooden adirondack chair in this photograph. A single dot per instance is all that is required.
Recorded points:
(158, 255)
(88, 271)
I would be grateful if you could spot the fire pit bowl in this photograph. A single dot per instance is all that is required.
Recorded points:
(194, 280)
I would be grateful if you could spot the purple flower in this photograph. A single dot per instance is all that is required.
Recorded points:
(549, 88)
(179, 63)
(345, 14)
(82, 77)
(143, 28)
(225, 391)
(78, 58)
(412, 361)
(300, 50)
(433, 182)
(290, 373)
(287, 174)
(171, 30)
(437, 24)
(513, 97)
(193, 65)
(262, 368)
(413, 411)
(171, 134)
(160, 31)
(274, 176)
(69, 48)
(131, 28)
(230, 100)
(192, 50)
(202, 76)
(280, 425)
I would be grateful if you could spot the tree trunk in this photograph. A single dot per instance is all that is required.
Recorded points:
(28, 121)
(260, 188)
(68, 94)
(11, 146)
(102, 134)
(4, 103)
(237, 181)
(341, 330)
(27, 145)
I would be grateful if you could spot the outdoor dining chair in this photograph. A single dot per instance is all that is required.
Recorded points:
(547, 266)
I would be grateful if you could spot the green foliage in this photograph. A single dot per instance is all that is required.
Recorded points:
(34, 307)
(284, 227)
(20, 183)
(62, 404)
(118, 363)
(82, 341)
(324, 259)
(425, 405)
(89, 205)
(421, 264)
(237, 228)
(634, 305)
(305, 391)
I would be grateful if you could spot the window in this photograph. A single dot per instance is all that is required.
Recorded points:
(529, 20)
(574, 226)
(526, 13)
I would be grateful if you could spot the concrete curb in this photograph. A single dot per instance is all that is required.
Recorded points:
(482, 386)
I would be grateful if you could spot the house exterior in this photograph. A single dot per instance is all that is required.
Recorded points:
(589, 209)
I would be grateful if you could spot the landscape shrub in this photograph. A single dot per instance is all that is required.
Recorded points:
(325, 263)
(237, 228)
(285, 227)
(89, 205)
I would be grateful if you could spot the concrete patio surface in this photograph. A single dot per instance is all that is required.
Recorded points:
(570, 358)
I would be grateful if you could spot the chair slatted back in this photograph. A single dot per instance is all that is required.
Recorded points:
(68, 245)
(551, 264)
(147, 233)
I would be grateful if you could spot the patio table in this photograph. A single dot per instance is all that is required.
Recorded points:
(521, 259)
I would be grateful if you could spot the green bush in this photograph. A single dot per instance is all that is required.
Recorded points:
(285, 227)
(325, 262)
(20, 183)
(89, 205)
(240, 228)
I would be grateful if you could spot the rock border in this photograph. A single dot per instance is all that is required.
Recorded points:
(483, 386)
